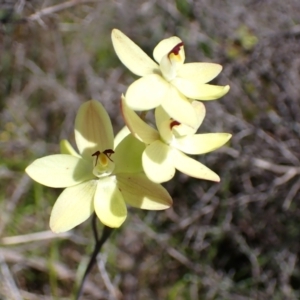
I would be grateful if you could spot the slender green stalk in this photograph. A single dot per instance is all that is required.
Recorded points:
(99, 243)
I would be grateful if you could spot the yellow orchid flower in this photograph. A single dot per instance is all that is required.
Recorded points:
(166, 148)
(98, 177)
(170, 81)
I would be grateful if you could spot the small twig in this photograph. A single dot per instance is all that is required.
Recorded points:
(286, 177)
(266, 165)
(32, 237)
(290, 196)
(184, 223)
(288, 171)
(286, 152)
(9, 280)
(163, 242)
(105, 235)
(56, 8)
(63, 272)
(110, 287)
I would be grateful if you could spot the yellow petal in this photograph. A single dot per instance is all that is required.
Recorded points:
(93, 129)
(109, 203)
(199, 72)
(140, 192)
(157, 162)
(192, 89)
(201, 143)
(66, 148)
(183, 129)
(60, 170)
(163, 123)
(147, 92)
(128, 155)
(167, 129)
(200, 111)
(179, 108)
(165, 46)
(161, 116)
(192, 167)
(121, 135)
(131, 55)
(73, 206)
(140, 129)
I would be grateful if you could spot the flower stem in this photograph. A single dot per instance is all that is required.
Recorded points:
(99, 243)
(94, 227)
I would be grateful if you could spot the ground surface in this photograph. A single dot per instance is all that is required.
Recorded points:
(238, 239)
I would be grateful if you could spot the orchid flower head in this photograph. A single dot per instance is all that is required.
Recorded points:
(167, 81)
(99, 177)
(166, 150)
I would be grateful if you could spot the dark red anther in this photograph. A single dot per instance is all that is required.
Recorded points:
(174, 123)
(108, 153)
(176, 49)
(97, 153)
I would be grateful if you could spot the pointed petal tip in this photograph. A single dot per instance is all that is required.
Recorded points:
(66, 148)
(116, 33)
(229, 136)
(131, 55)
(216, 178)
(192, 167)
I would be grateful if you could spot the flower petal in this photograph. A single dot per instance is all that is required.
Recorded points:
(140, 192)
(163, 124)
(179, 108)
(60, 170)
(200, 72)
(140, 129)
(93, 129)
(66, 148)
(73, 206)
(157, 163)
(183, 129)
(201, 143)
(128, 155)
(192, 89)
(109, 203)
(161, 116)
(147, 92)
(120, 136)
(192, 167)
(165, 46)
(131, 55)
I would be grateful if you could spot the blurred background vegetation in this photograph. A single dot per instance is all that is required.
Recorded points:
(238, 239)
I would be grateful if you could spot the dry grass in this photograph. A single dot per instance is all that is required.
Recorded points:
(235, 240)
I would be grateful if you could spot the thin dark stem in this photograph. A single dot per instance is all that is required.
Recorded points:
(99, 243)
(94, 227)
